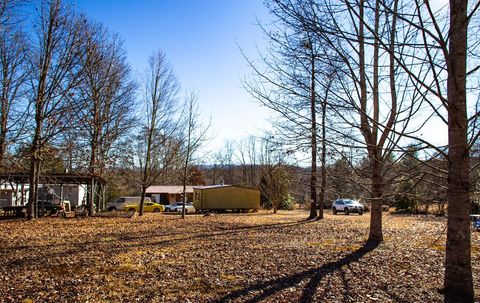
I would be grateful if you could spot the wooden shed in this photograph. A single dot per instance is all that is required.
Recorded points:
(226, 197)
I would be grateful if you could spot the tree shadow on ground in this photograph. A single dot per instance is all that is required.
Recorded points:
(129, 241)
(314, 277)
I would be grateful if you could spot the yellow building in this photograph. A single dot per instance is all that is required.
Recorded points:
(226, 197)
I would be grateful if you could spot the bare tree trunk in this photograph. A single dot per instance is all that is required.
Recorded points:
(376, 234)
(323, 156)
(370, 132)
(35, 162)
(33, 187)
(34, 172)
(321, 202)
(142, 200)
(313, 134)
(184, 183)
(146, 170)
(214, 177)
(3, 132)
(190, 126)
(458, 282)
(94, 142)
(146, 173)
(91, 198)
(93, 156)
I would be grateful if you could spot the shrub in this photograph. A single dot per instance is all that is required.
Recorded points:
(404, 203)
(286, 203)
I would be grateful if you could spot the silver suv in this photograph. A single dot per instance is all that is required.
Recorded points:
(347, 206)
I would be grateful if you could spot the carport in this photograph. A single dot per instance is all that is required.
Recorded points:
(18, 184)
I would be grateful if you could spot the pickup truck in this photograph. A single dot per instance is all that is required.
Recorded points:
(122, 201)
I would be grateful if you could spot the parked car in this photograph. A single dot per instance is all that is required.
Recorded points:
(178, 206)
(188, 208)
(147, 207)
(347, 206)
(476, 225)
(173, 207)
(476, 222)
(122, 201)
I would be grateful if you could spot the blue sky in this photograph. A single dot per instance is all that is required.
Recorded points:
(200, 40)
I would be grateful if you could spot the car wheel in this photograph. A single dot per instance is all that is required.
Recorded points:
(360, 212)
(111, 208)
(334, 210)
(131, 209)
(347, 211)
(156, 210)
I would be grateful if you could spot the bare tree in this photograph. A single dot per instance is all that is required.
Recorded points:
(241, 155)
(291, 83)
(161, 91)
(323, 139)
(13, 76)
(275, 179)
(252, 156)
(247, 155)
(195, 134)
(56, 73)
(371, 98)
(225, 157)
(458, 271)
(443, 57)
(380, 113)
(313, 132)
(107, 90)
(214, 169)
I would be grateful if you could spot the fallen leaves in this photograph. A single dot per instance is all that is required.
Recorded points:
(257, 257)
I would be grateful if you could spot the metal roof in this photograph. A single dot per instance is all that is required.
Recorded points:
(213, 186)
(169, 189)
(220, 186)
(52, 178)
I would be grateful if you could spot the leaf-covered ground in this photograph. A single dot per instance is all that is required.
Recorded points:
(257, 257)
